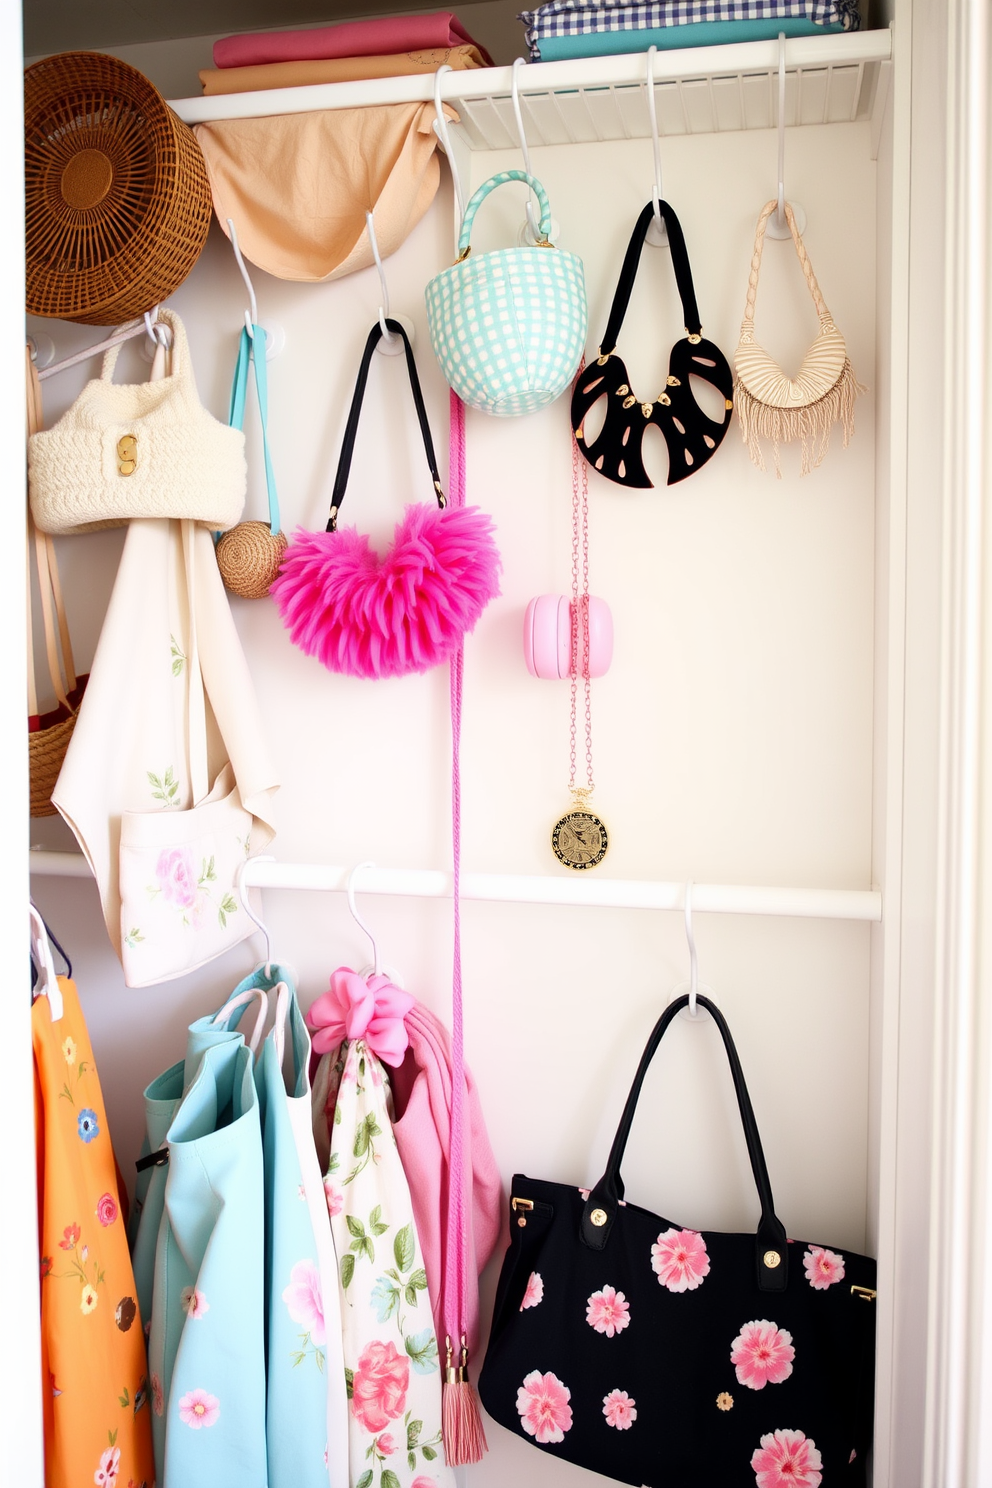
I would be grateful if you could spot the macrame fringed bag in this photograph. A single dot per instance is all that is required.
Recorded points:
(802, 409)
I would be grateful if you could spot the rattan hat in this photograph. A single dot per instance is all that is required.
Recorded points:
(117, 198)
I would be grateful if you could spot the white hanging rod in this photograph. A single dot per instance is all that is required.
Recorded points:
(606, 893)
(839, 49)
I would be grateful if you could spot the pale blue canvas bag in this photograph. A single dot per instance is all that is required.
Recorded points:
(509, 327)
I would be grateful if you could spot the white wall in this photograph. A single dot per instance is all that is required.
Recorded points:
(733, 736)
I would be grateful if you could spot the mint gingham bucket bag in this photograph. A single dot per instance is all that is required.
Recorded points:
(508, 327)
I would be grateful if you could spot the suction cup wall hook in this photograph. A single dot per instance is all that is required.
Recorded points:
(441, 130)
(531, 232)
(246, 905)
(390, 345)
(275, 338)
(777, 225)
(656, 232)
(357, 917)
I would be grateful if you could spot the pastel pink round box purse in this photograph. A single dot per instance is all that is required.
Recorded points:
(405, 612)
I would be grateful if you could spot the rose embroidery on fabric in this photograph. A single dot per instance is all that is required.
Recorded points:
(46, 1266)
(197, 1409)
(194, 1304)
(787, 1459)
(618, 1408)
(381, 1381)
(762, 1354)
(87, 1125)
(334, 1197)
(680, 1260)
(304, 1300)
(176, 877)
(106, 1209)
(70, 1237)
(534, 1291)
(608, 1312)
(106, 1474)
(542, 1404)
(823, 1267)
(124, 1315)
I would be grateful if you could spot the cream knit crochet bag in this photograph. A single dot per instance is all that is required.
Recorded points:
(805, 407)
(146, 449)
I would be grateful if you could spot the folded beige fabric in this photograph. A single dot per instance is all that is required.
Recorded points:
(298, 185)
(336, 70)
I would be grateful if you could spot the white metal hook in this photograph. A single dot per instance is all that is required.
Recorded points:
(158, 332)
(275, 336)
(693, 959)
(246, 906)
(357, 917)
(533, 226)
(441, 129)
(777, 225)
(390, 344)
(656, 232)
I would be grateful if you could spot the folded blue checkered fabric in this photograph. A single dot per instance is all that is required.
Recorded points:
(565, 18)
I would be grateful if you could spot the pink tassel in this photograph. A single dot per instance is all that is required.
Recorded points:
(461, 1420)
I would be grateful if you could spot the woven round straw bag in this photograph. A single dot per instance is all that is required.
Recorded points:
(117, 198)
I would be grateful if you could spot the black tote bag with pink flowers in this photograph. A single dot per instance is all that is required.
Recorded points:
(666, 1357)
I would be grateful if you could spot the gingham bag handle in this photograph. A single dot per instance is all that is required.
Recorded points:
(478, 197)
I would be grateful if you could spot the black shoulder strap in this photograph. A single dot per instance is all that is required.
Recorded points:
(680, 263)
(351, 428)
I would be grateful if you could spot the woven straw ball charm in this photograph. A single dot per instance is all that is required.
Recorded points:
(249, 558)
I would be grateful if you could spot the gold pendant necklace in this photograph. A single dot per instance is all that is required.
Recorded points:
(579, 839)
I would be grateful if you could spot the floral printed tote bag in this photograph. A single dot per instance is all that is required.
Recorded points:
(94, 1389)
(207, 1344)
(306, 1399)
(390, 1348)
(659, 1355)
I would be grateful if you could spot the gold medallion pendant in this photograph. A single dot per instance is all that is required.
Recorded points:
(579, 839)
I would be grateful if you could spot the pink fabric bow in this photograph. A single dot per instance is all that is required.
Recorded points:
(357, 1007)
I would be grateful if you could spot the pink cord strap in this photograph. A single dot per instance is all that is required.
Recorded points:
(457, 1237)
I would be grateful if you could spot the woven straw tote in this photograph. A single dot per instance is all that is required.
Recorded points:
(783, 409)
(117, 199)
(48, 733)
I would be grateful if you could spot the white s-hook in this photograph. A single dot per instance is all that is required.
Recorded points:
(777, 226)
(441, 130)
(246, 906)
(530, 233)
(390, 344)
(357, 917)
(275, 338)
(693, 959)
(656, 233)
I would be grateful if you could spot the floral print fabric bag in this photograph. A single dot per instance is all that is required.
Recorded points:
(661, 1355)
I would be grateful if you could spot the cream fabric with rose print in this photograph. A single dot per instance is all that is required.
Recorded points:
(390, 1347)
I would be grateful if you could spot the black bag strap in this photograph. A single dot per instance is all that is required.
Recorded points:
(680, 263)
(351, 427)
(601, 1207)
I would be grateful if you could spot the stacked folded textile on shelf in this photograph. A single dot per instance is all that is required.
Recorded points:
(599, 28)
(348, 52)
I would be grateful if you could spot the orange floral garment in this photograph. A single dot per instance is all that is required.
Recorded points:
(94, 1386)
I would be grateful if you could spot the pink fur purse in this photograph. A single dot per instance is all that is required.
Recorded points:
(408, 611)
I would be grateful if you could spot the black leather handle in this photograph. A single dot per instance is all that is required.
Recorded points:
(604, 1199)
(680, 263)
(351, 427)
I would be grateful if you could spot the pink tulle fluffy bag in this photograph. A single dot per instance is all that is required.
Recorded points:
(408, 611)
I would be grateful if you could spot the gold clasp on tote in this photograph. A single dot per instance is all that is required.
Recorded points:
(127, 454)
(516, 1204)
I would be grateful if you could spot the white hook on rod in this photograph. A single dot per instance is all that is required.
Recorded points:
(533, 226)
(656, 232)
(275, 338)
(693, 959)
(390, 344)
(357, 917)
(441, 130)
(246, 906)
(777, 225)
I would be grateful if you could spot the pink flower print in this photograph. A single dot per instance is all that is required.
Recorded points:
(386, 1444)
(106, 1209)
(823, 1267)
(334, 1197)
(158, 1399)
(197, 1409)
(618, 1408)
(423, 1482)
(608, 1312)
(534, 1291)
(194, 1303)
(787, 1459)
(542, 1404)
(110, 1465)
(305, 1300)
(177, 876)
(679, 1257)
(762, 1354)
(380, 1385)
(70, 1237)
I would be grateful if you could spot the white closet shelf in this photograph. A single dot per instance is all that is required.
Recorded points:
(605, 893)
(831, 79)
